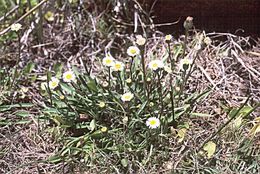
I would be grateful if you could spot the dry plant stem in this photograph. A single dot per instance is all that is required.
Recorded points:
(144, 71)
(17, 61)
(160, 93)
(171, 93)
(232, 118)
(185, 43)
(131, 64)
(109, 77)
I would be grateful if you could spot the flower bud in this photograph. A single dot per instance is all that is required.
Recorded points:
(188, 23)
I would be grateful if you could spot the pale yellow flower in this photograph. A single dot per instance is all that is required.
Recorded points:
(185, 63)
(101, 104)
(153, 122)
(128, 80)
(133, 51)
(108, 61)
(69, 76)
(156, 64)
(103, 129)
(16, 27)
(118, 66)
(54, 83)
(127, 97)
(62, 97)
(168, 37)
(140, 40)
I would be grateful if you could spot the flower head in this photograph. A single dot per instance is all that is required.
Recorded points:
(16, 27)
(68, 76)
(118, 66)
(101, 104)
(108, 61)
(140, 40)
(54, 83)
(185, 63)
(103, 129)
(133, 51)
(156, 64)
(127, 97)
(153, 122)
(128, 81)
(168, 38)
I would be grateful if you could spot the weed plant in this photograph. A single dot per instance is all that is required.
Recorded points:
(126, 113)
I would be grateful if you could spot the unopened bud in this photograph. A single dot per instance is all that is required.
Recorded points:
(188, 23)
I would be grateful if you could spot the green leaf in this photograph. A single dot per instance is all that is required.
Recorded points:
(22, 114)
(92, 85)
(124, 162)
(194, 114)
(210, 148)
(29, 67)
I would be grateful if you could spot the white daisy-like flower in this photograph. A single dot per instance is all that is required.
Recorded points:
(133, 51)
(156, 64)
(68, 76)
(185, 63)
(127, 97)
(168, 37)
(16, 27)
(167, 69)
(118, 66)
(153, 122)
(108, 61)
(140, 40)
(54, 83)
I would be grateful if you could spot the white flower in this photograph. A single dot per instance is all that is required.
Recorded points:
(140, 40)
(54, 83)
(108, 61)
(127, 96)
(168, 37)
(69, 76)
(185, 63)
(133, 51)
(167, 69)
(16, 27)
(118, 66)
(156, 64)
(153, 122)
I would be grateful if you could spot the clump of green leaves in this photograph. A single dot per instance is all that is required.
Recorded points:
(128, 109)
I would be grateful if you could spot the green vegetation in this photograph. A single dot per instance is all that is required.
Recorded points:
(79, 93)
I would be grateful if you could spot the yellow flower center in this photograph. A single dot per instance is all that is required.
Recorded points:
(127, 97)
(153, 122)
(133, 51)
(69, 76)
(117, 66)
(53, 83)
(108, 61)
(155, 65)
